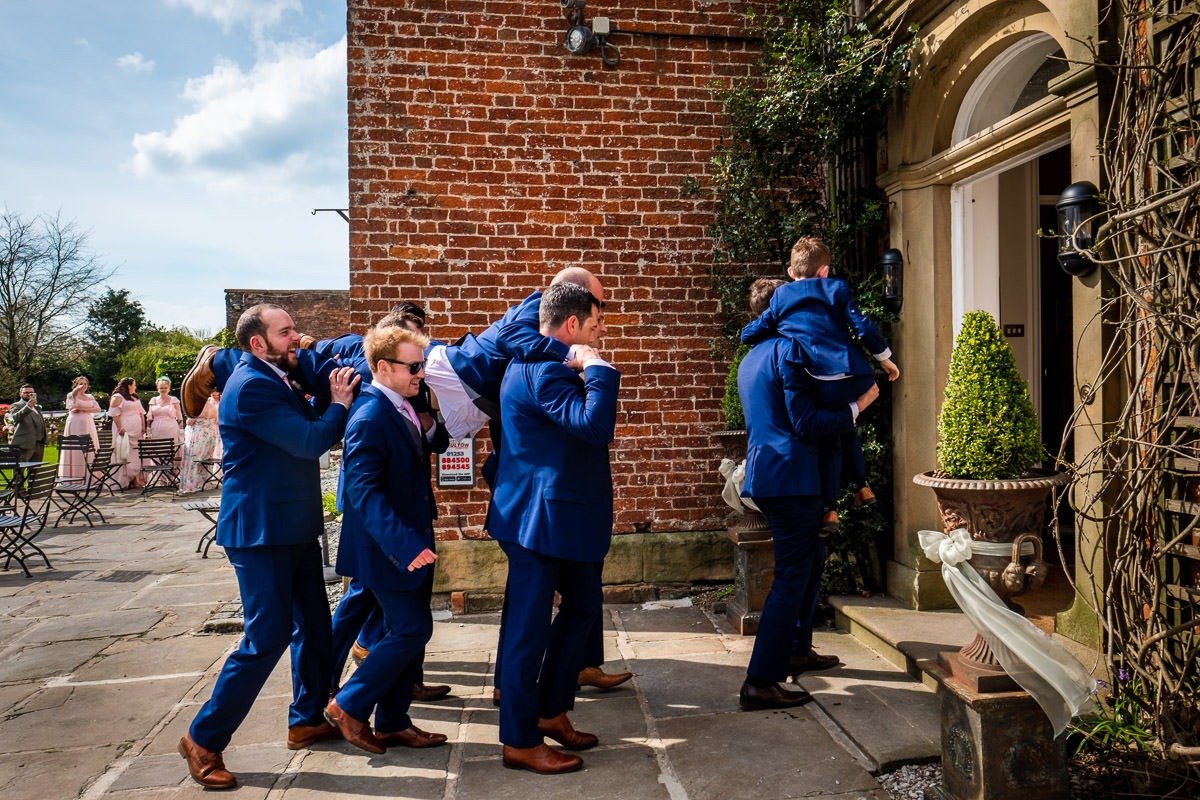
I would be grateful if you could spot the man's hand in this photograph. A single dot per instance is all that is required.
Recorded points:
(868, 397)
(423, 559)
(342, 382)
(579, 354)
(889, 366)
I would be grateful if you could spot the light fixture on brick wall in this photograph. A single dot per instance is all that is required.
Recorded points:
(581, 37)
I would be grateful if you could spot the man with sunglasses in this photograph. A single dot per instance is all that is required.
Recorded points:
(555, 526)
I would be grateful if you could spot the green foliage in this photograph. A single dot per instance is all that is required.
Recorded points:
(1121, 720)
(731, 401)
(160, 352)
(224, 338)
(329, 503)
(987, 428)
(114, 324)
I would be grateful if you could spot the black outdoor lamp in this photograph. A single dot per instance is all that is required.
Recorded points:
(891, 266)
(1077, 208)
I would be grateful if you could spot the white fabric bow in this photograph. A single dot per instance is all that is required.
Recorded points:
(734, 474)
(1039, 665)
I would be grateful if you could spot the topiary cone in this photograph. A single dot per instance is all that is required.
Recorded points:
(987, 428)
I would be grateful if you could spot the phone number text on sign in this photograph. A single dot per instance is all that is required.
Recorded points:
(456, 466)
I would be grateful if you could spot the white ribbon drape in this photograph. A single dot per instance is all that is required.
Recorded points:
(734, 474)
(1039, 665)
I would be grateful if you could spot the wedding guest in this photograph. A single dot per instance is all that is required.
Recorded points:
(201, 441)
(166, 417)
(129, 420)
(81, 421)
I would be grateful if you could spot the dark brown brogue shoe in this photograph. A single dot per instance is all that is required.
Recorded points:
(428, 692)
(757, 698)
(353, 731)
(411, 736)
(594, 676)
(496, 697)
(206, 767)
(302, 736)
(562, 731)
(811, 662)
(199, 382)
(543, 759)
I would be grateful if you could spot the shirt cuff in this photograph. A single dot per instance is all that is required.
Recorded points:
(854, 411)
(597, 362)
(885, 355)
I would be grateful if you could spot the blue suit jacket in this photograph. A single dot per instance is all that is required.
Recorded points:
(480, 361)
(819, 313)
(553, 491)
(783, 421)
(271, 493)
(388, 502)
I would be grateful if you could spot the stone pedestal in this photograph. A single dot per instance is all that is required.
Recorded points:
(996, 746)
(753, 571)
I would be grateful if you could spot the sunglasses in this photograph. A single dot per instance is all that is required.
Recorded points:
(413, 366)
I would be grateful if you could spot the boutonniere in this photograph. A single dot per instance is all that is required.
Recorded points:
(296, 387)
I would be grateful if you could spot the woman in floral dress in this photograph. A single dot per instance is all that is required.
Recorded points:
(201, 440)
(81, 421)
(128, 418)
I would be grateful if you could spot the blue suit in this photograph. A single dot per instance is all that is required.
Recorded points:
(785, 425)
(552, 515)
(269, 525)
(818, 313)
(387, 522)
(311, 373)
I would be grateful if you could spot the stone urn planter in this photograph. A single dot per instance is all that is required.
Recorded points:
(754, 551)
(1010, 512)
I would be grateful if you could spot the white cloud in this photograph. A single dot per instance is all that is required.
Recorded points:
(283, 121)
(258, 14)
(135, 62)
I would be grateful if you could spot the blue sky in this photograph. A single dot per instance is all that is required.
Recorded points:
(191, 139)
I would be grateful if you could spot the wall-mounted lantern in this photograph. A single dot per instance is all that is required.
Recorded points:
(891, 267)
(1077, 209)
(582, 37)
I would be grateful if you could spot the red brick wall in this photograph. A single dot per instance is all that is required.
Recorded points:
(323, 313)
(484, 158)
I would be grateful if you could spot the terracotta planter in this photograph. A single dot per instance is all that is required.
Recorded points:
(1008, 512)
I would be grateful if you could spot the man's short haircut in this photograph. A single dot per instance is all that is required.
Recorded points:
(760, 293)
(401, 316)
(809, 254)
(561, 301)
(25, 386)
(409, 309)
(250, 323)
(381, 343)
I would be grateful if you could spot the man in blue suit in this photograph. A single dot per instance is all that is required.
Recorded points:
(552, 515)
(387, 542)
(786, 425)
(269, 525)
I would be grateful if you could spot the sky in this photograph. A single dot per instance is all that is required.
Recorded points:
(190, 140)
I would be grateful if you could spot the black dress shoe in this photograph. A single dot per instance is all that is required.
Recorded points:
(756, 698)
(811, 662)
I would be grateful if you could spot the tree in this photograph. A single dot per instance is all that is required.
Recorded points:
(47, 275)
(159, 352)
(114, 326)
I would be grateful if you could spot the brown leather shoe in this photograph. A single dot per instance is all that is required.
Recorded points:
(811, 662)
(562, 731)
(207, 768)
(308, 342)
(302, 736)
(594, 676)
(199, 382)
(830, 522)
(428, 692)
(864, 496)
(543, 759)
(756, 698)
(356, 733)
(496, 697)
(358, 653)
(412, 736)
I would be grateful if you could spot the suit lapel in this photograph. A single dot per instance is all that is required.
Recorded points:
(407, 431)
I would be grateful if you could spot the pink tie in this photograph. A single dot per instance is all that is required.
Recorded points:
(407, 410)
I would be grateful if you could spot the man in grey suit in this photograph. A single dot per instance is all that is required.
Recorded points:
(29, 426)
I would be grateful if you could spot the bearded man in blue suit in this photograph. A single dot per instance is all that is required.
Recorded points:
(269, 525)
(552, 514)
(786, 427)
(387, 542)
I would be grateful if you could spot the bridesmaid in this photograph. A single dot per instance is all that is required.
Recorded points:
(129, 418)
(81, 421)
(202, 441)
(165, 416)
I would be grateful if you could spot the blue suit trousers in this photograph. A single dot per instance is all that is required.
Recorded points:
(384, 681)
(542, 659)
(356, 618)
(787, 614)
(283, 603)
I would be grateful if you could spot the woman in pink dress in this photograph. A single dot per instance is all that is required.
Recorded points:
(128, 418)
(201, 441)
(81, 421)
(165, 416)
